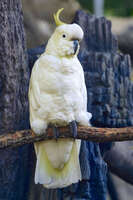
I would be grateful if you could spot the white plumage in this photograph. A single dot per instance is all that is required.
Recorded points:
(57, 95)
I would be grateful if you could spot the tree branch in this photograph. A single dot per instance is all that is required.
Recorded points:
(85, 133)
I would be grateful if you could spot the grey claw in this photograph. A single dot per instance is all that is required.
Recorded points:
(56, 132)
(73, 128)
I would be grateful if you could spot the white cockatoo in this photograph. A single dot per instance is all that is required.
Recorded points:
(57, 97)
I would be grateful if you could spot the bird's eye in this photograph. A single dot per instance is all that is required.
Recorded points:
(64, 36)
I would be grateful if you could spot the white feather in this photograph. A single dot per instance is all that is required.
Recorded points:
(57, 95)
(59, 91)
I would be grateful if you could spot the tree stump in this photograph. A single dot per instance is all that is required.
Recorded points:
(107, 74)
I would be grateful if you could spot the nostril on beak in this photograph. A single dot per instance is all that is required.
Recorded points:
(75, 43)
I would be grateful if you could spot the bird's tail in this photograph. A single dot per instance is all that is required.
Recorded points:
(52, 177)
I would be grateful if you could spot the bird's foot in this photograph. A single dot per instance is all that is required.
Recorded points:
(73, 128)
(55, 132)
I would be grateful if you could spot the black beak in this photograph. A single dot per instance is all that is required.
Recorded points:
(75, 44)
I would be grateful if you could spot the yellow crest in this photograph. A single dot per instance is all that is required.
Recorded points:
(58, 22)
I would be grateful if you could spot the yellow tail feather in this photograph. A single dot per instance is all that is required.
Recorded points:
(52, 177)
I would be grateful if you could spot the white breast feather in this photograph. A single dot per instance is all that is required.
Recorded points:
(59, 91)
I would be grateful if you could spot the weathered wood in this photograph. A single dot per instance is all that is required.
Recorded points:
(85, 133)
(107, 74)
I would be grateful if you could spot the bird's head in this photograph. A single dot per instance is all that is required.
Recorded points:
(64, 42)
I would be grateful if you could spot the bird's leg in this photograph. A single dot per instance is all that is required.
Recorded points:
(73, 128)
(55, 132)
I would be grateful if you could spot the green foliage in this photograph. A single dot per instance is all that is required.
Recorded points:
(119, 7)
(86, 4)
(122, 8)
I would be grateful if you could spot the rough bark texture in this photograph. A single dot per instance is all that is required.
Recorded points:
(94, 134)
(107, 73)
(13, 67)
(14, 78)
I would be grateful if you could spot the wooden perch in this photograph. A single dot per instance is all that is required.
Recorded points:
(85, 133)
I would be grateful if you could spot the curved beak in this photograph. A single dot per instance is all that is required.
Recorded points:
(75, 45)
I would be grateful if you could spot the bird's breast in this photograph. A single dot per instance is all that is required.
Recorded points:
(60, 82)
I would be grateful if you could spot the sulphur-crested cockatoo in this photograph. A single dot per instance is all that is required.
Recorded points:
(57, 97)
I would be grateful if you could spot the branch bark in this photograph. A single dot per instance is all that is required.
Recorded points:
(85, 133)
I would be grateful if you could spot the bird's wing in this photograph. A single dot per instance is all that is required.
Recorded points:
(84, 94)
(34, 91)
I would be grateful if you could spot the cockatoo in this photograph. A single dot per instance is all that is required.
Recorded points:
(57, 97)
